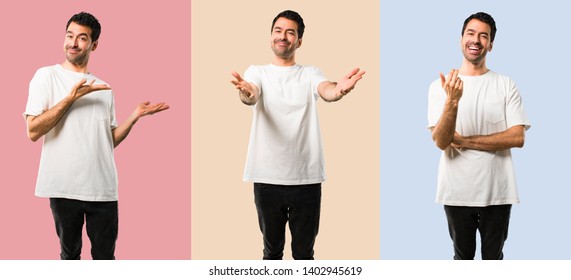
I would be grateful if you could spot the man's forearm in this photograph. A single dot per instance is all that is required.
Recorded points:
(38, 126)
(443, 132)
(514, 137)
(328, 91)
(122, 131)
(248, 99)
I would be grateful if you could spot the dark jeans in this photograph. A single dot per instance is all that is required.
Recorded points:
(491, 221)
(102, 224)
(278, 204)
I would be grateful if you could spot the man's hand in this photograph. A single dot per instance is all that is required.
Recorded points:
(443, 133)
(452, 85)
(248, 92)
(146, 108)
(143, 109)
(348, 82)
(457, 140)
(83, 88)
(334, 91)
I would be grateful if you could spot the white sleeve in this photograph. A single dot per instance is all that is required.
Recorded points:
(39, 94)
(252, 75)
(317, 77)
(436, 99)
(515, 114)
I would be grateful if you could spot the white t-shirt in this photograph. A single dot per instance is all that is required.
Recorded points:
(77, 154)
(490, 103)
(285, 142)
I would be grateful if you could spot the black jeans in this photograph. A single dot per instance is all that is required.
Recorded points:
(102, 223)
(491, 221)
(278, 204)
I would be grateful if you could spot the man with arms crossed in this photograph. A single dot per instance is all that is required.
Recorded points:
(476, 116)
(285, 159)
(74, 112)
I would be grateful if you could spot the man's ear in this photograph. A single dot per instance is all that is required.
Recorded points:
(491, 46)
(94, 46)
(299, 43)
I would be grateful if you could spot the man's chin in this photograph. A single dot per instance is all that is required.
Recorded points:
(475, 59)
(75, 60)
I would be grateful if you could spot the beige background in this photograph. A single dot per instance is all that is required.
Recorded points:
(231, 35)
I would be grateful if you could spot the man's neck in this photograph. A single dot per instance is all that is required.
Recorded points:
(473, 69)
(279, 61)
(81, 68)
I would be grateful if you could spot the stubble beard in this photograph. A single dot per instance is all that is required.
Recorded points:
(474, 59)
(283, 52)
(80, 58)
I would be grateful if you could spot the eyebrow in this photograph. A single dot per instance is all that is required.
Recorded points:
(80, 34)
(280, 28)
(474, 31)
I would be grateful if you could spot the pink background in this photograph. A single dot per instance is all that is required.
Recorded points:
(144, 54)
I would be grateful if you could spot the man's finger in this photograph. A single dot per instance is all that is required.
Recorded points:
(237, 76)
(352, 73)
(80, 83)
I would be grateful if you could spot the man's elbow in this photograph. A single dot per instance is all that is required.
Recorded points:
(441, 145)
(520, 142)
(33, 136)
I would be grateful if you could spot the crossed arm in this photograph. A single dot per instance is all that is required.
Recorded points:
(38, 126)
(329, 91)
(513, 137)
(444, 133)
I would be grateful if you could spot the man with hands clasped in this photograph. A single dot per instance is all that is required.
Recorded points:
(285, 159)
(74, 111)
(476, 116)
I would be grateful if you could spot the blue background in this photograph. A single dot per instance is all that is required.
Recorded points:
(419, 39)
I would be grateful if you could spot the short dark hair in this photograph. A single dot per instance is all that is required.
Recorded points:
(88, 20)
(291, 15)
(485, 18)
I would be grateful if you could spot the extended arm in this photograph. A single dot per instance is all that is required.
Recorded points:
(333, 91)
(443, 131)
(513, 137)
(38, 126)
(143, 109)
(248, 92)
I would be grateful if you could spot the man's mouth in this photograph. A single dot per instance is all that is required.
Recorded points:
(282, 43)
(474, 49)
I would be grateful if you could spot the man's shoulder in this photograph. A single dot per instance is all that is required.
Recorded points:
(46, 70)
(498, 76)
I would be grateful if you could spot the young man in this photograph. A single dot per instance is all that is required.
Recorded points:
(476, 116)
(74, 112)
(285, 159)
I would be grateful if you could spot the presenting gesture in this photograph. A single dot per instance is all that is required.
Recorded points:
(145, 108)
(348, 82)
(452, 85)
(248, 92)
(83, 88)
(331, 91)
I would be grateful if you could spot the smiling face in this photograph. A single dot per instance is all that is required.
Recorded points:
(78, 44)
(476, 41)
(285, 38)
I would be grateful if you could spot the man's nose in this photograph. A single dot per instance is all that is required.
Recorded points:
(73, 42)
